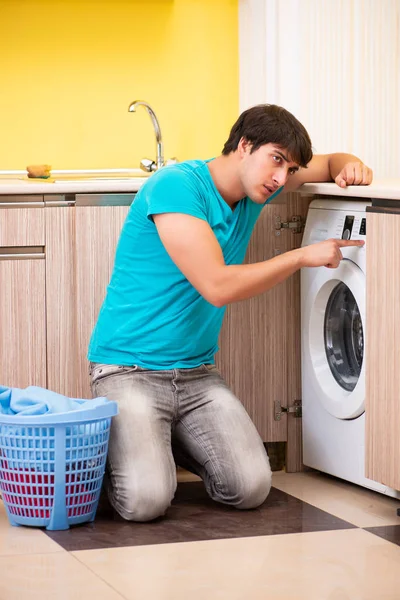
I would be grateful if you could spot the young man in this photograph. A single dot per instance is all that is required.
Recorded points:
(178, 264)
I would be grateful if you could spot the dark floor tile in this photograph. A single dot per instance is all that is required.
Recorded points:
(194, 516)
(391, 533)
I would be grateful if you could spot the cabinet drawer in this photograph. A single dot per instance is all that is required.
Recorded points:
(22, 227)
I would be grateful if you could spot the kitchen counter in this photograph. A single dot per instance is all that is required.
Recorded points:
(380, 188)
(389, 189)
(9, 186)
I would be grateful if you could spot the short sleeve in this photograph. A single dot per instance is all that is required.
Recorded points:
(172, 190)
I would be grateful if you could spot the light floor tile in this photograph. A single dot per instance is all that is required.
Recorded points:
(335, 565)
(354, 504)
(50, 577)
(183, 476)
(23, 540)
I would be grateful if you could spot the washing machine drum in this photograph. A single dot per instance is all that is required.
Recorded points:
(344, 337)
(335, 312)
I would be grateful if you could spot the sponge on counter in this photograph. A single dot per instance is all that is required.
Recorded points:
(39, 171)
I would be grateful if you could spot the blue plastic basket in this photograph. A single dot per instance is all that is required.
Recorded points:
(52, 466)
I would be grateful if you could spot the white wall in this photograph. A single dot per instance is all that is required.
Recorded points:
(335, 64)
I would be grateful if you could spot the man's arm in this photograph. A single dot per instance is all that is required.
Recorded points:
(192, 245)
(344, 169)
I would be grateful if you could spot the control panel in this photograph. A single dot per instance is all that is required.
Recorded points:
(352, 227)
(347, 227)
(345, 220)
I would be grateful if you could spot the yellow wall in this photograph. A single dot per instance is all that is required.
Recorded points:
(69, 69)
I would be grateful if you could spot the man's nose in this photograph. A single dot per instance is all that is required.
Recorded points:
(280, 177)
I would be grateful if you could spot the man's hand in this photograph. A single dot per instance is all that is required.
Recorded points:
(354, 173)
(326, 254)
(344, 169)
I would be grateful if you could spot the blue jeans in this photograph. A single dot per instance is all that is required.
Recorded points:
(184, 416)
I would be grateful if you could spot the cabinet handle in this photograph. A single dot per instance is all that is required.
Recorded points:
(32, 204)
(22, 252)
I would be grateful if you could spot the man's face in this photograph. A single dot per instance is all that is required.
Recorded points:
(265, 170)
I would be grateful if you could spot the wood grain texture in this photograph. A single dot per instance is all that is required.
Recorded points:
(22, 227)
(61, 301)
(97, 231)
(253, 341)
(22, 323)
(80, 250)
(260, 354)
(383, 349)
(297, 205)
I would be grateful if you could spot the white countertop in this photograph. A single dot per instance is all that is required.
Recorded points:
(380, 188)
(26, 186)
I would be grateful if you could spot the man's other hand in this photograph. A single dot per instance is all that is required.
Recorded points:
(354, 173)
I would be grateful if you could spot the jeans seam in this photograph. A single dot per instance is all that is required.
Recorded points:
(199, 441)
(114, 486)
(175, 393)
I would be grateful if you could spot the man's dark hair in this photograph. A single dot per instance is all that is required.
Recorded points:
(271, 124)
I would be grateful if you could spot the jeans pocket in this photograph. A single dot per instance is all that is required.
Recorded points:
(209, 368)
(100, 371)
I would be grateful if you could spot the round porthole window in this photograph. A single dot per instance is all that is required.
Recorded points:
(344, 338)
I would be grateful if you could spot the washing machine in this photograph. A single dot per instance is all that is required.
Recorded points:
(332, 347)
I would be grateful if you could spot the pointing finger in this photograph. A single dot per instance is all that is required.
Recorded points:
(346, 243)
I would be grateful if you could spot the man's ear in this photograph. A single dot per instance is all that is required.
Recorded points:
(244, 146)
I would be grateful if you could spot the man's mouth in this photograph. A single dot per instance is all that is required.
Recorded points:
(269, 189)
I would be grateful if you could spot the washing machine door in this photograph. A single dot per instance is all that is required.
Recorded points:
(336, 317)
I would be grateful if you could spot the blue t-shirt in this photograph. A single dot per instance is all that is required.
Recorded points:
(152, 316)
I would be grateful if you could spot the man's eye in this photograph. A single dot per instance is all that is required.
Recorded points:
(292, 171)
(277, 159)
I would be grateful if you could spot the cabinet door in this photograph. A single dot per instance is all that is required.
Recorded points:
(22, 318)
(97, 231)
(22, 298)
(383, 345)
(260, 340)
(61, 301)
(81, 243)
(253, 347)
(22, 226)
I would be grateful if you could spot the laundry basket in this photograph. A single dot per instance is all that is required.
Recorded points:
(52, 465)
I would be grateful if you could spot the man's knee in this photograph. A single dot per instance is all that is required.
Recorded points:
(245, 490)
(143, 503)
(255, 491)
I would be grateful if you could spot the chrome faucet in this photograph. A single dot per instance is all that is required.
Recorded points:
(147, 164)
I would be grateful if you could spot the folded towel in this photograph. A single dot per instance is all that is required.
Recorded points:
(35, 400)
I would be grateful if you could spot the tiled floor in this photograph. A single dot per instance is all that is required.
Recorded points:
(315, 538)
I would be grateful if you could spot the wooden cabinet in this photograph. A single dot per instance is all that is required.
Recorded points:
(97, 234)
(383, 344)
(81, 243)
(260, 339)
(253, 344)
(259, 345)
(22, 301)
